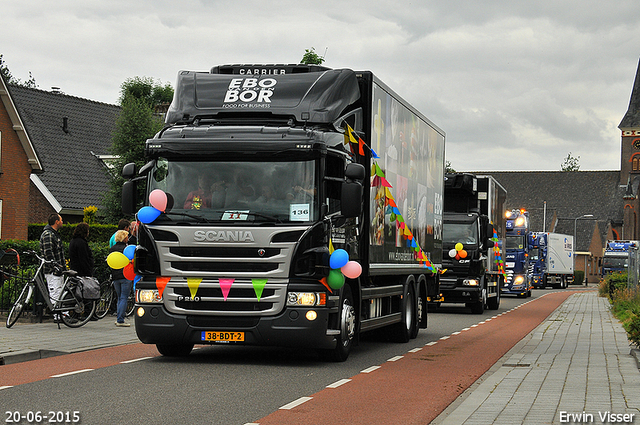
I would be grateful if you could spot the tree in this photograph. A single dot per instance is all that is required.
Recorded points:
(448, 168)
(10, 79)
(570, 163)
(310, 57)
(137, 123)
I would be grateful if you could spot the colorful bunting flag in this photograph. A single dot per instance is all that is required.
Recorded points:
(193, 283)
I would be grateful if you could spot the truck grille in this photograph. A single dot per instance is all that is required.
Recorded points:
(241, 299)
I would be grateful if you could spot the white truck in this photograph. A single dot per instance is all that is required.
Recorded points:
(551, 259)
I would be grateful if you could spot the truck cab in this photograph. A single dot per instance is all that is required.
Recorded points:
(469, 261)
(517, 254)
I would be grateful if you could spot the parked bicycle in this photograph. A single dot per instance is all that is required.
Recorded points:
(72, 309)
(108, 302)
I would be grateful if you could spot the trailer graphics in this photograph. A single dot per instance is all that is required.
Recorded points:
(261, 199)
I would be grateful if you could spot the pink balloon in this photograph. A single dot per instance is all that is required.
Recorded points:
(158, 199)
(352, 269)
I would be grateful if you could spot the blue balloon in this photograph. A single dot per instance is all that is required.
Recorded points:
(147, 215)
(129, 250)
(338, 259)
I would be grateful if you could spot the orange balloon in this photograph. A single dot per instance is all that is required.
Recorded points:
(462, 253)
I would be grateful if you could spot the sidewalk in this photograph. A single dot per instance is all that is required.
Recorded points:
(32, 341)
(575, 367)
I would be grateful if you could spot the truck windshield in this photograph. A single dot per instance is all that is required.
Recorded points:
(237, 191)
(514, 242)
(615, 262)
(464, 233)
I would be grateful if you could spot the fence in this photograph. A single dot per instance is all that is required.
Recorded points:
(12, 280)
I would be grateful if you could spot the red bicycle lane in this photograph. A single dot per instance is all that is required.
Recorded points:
(416, 388)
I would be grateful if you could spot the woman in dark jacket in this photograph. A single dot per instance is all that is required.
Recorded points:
(121, 284)
(80, 255)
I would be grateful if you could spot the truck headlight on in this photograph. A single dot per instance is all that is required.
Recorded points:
(148, 296)
(306, 299)
(518, 283)
(470, 282)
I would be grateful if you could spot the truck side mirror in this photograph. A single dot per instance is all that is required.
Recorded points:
(129, 197)
(351, 193)
(129, 170)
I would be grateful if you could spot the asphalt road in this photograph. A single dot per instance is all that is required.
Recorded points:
(227, 384)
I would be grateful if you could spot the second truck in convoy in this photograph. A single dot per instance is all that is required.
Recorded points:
(261, 177)
(473, 238)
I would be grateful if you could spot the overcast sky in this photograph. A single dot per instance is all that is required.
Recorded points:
(516, 85)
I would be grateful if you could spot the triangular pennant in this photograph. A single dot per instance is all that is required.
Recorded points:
(193, 283)
(225, 286)
(374, 154)
(258, 286)
(387, 193)
(360, 146)
(351, 138)
(324, 282)
(161, 283)
(331, 248)
(379, 171)
(385, 182)
(375, 181)
(392, 202)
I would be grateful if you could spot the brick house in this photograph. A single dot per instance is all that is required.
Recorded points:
(18, 160)
(64, 143)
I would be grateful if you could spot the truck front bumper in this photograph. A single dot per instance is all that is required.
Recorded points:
(291, 328)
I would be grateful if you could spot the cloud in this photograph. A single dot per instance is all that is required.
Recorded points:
(515, 85)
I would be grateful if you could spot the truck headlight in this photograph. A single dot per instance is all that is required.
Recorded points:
(148, 296)
(519, 280)
(309, 299)
(470, 282)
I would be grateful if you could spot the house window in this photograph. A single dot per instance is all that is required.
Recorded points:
(635, 164)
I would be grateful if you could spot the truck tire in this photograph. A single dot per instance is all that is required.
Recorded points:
(344, 341)
(478, 307)
(494, 303)
(174, 350)
(402, 332)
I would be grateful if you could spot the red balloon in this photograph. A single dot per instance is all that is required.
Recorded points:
(128, 272)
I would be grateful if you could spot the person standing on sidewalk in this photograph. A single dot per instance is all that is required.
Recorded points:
(52, 250)
(121, 284)
(123, 224)
(80, 255)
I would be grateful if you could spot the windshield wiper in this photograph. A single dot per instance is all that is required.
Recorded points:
(198, 218)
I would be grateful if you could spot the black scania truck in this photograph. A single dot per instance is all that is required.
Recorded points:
(268, 171)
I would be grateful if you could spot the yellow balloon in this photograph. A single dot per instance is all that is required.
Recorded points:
(117, 260)
(459, 246)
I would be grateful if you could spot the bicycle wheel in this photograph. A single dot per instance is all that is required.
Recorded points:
(18, 306)
(131, 303)
(76, 312)
(106, 298)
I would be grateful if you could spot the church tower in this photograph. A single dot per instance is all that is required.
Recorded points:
(630, 162)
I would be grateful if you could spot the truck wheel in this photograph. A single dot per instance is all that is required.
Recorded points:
(494, 303)
(174, 350)
(478, 307)
(344, 341)
(401, 332)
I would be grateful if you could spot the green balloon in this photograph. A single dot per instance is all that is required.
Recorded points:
(335, 279)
